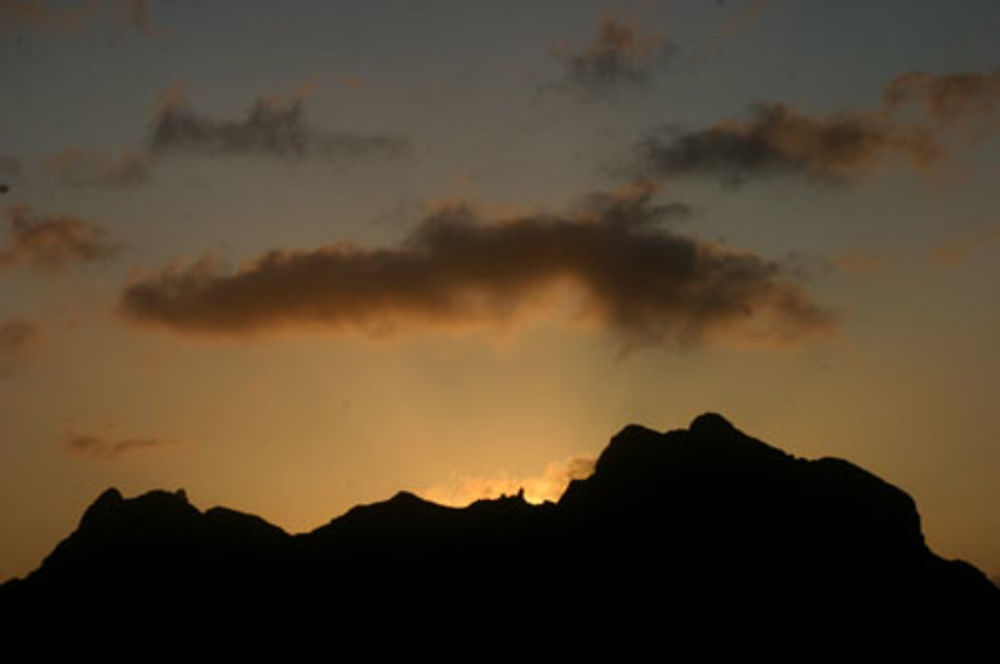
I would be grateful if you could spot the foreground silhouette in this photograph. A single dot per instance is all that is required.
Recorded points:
(704, 523)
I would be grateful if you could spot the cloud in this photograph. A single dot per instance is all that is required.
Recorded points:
(617, 56)
(957, 249)
(647, 284)
(858, 263)
(968, 101)
(135, 13)
(19, 340)
(54, 242)
(736, 23)
(106, 446)
(550, 485)
(10, 167)
(778, 141)
(51, 18)
(273, 127)
(77, 167)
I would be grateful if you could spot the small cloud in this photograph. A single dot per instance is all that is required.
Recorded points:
(968, 101)
(737, 22)
(11, 168)
(957, 249)
(645, 283)
(19, 341)
(619, 56)
(858, 263)
(135, 14)
(106, 446)
(79, 168)
(51, 18)
(52, 243)
(273, 127)
(549, 485)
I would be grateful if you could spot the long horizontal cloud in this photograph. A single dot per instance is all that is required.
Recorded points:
(53, 242)
(50, 17)
(618, 55)
(78, 167)
(957, 249)
(19, 339)
(275, 128)
(780, 140)
(103, 446)
(968, 100)
(648, 284)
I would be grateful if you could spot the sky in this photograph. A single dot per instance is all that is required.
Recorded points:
(297, 256)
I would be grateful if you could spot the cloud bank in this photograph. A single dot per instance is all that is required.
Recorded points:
(647, 284)
(53, 243)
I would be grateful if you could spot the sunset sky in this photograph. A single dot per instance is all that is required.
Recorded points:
(297, 256)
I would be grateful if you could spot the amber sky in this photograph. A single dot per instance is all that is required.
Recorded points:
(296, 256)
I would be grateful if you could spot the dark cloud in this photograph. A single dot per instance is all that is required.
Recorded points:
(273, 127)
(102, 446)
(19, 339)
(76, 167)
(778, 140)
(618, 55)
(53, 242)
(648, 284)
(842, 147)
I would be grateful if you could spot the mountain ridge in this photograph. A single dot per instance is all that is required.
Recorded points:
(707, 516)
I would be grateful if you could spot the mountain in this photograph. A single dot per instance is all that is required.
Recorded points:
(703, 524)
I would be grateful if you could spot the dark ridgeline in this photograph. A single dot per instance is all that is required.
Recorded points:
(703, 525)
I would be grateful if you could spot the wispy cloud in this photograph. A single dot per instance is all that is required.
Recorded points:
(53, 243)
(10, 167)
(20, 338)
(460, 491)
(620, 55)
(76, 167)
(957, 249)
(46, 17)
(969, 101)
(273, 127)
(105, 446)
(736, 22)
(647, 284)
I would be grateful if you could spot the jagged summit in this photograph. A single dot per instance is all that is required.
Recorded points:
(707, 516)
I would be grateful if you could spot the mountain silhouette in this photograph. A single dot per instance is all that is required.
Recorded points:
(703, 524)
